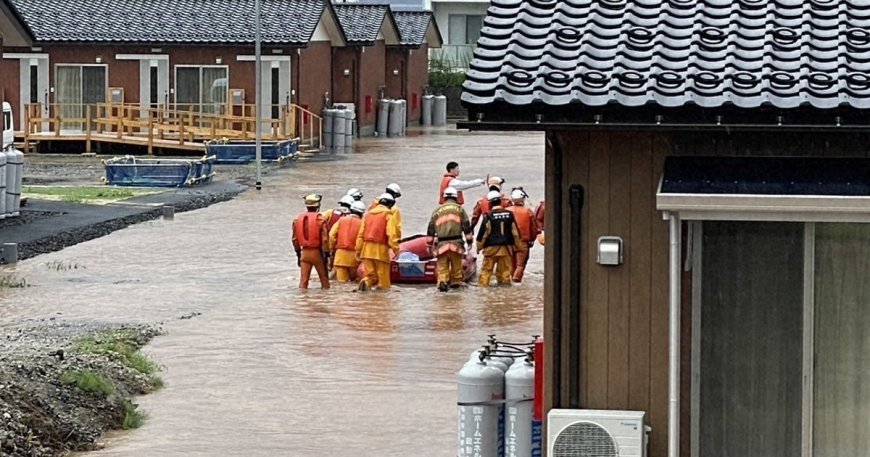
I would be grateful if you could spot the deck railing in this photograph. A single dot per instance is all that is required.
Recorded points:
(177, 126)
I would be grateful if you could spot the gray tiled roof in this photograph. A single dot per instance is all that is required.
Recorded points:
(169, 21)
(673, 53)
(413, 26)
(361, 23)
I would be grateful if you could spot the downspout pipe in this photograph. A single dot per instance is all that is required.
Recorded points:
(674, 337)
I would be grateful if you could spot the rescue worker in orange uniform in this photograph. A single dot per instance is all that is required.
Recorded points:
(311, 242)
(396, 191)
(482, 207)
(528, 228)
(342, 243)
(333, 215)
(378, 234)
(451, 179)
(540, 212)
(497, 239)
(449, 225)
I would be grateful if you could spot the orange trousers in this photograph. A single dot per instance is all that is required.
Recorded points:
(313, 258)
(503, 266)
(377, 272)
(521, 258)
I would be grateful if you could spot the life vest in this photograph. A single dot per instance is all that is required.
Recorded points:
(348, 229)
(334, 217)
(539, 214)
(500, 232)
(376, 228)
(445, 183)
(484, 207)
(307, 228)
(523, 217)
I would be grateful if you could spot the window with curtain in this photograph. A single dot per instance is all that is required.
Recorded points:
(841, 374)
(202, 89)
(751, 347)
(752, 398)
(69, 94)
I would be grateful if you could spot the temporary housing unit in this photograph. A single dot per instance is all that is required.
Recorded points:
(184, 55)
(358, 69)
(708, 223)
(407, 66)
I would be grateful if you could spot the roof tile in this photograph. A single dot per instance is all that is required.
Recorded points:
(361, 23)
(169, 21)
(711, 53)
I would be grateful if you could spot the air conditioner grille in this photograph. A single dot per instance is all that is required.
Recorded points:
(584, 439)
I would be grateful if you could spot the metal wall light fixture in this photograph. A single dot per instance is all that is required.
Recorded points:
(395, 72)
(347, 72)
(610, 250)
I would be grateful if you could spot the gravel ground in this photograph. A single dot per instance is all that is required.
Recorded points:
(76, 170)
(41, 415)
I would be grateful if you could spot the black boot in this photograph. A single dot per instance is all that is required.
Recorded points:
(443, 287)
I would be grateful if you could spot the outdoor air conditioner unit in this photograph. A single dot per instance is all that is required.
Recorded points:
(596, 433)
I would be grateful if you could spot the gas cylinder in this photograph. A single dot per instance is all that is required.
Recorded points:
(481, 391)
(496, 361)
(2, 185)
(383, 121)
(522, 433)
(10, 181)
(328, 119)
(19, 176)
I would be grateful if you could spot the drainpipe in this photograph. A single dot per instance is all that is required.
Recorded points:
(674, 333)
(576, 194)
(554, 248)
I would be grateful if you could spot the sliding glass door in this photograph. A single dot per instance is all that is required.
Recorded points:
(201, 88)
(78, 88)
(782, 361)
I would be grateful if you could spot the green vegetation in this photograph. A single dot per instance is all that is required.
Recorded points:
(443, 75)
(133, 418)
(12, 282)
(120, 345)
(89, 382)
(57, 265)
(84, 194)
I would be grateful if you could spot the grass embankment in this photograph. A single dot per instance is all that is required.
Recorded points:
(121, 346)
(102, 194)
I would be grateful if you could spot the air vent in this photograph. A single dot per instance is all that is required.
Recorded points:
(586, 439)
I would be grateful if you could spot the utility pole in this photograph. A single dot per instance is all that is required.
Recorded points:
(258, 81)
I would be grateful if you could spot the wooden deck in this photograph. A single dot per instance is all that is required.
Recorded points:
(158, 129)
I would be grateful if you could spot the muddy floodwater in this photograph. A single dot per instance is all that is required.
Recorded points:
(258, 368)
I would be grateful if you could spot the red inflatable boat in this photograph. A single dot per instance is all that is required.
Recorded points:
(424, 270)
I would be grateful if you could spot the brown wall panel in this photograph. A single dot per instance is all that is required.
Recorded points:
(344, 88)
(371, 81)
(640, 269)
(396, 59)
(418, 79)
(313, 75)
(596, 295)
(619, 285)
(9, 75)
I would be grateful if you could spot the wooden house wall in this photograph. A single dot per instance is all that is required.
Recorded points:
(623, 315)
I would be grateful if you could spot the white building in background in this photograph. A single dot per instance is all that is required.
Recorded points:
(460, 22)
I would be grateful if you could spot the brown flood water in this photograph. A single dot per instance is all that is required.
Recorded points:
(269, 370)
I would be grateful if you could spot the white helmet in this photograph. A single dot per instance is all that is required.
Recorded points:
(358, 208)
(518, 194)
(387, 196)
(495, 181)
(493, 195)
(346, 200)
(451, 192)
(355, 193)
(394, 189)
